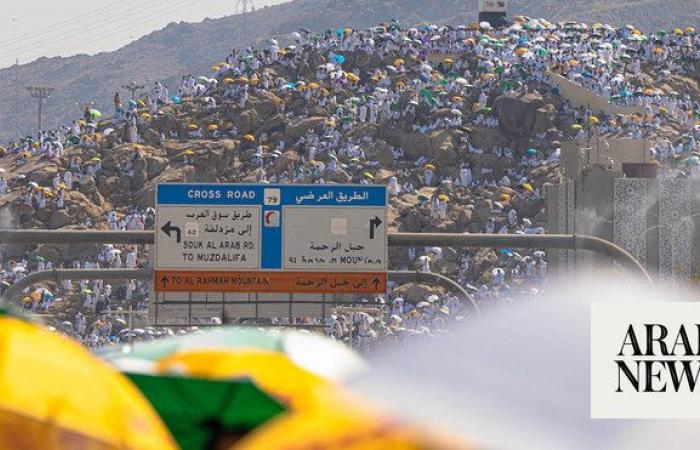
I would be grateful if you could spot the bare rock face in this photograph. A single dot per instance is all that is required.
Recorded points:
(59, 219)
(517, 115)
(484, 137)
(415, 292)
(298, 128)
(155, 165)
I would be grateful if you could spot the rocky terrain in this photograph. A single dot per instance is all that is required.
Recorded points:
(191, 48)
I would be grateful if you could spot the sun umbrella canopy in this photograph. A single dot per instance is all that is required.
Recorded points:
(318, 355)
(275, 362)
(346, 423)
(83, 403)
(197, 410)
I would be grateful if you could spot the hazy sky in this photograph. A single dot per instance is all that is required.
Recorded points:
(30, 29)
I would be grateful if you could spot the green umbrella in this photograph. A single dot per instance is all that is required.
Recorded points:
(196, 410)
(95, 114)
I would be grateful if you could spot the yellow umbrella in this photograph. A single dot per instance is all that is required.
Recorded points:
(229, 80)
(146, 116)
(215, 68)
(504, 198)
(521, 51)
(368, 175)
(56, 395)
(448, 61)
(352, 77)
(345, 423)
(399, 62)
(443, 197)
(429, 166)
(678, 32)
(212, 127)
(593, 120)
(528, 187)
(192, 127)
(272, 371)
(188, 152)
(689, 30)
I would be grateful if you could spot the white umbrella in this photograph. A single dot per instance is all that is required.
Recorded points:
(456, 112)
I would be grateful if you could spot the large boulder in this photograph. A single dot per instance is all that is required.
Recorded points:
(416, 293)
(381, 151)
(487, 138)
(59, 219)
(155, 165)
(545, 119)
(517, 115)
(140, 174)
(44, 175)
(297, 128)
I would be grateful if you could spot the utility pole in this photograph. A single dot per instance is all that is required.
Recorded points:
(242, 8)
(40, 93)
(133, 87)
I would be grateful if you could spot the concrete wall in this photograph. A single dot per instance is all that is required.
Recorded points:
(579, 96)
(609, 152)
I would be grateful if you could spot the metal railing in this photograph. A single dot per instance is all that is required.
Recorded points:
(550, 241)
(14, 292)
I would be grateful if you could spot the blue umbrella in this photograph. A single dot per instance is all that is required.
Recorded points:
(339, 59)
(531, 151)
(177, 100)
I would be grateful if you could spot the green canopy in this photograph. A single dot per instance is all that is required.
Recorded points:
(196, 410)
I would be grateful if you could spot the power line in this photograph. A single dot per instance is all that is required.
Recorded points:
(72, 22)
(67, 36)
(133, 87)
(39, 93)
(182, 5)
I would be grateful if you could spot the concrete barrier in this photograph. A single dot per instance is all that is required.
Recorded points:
(579, 96)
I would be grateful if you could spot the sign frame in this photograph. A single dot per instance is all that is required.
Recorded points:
(272, 211)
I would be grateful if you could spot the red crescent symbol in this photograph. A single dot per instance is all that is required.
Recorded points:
(268, 215)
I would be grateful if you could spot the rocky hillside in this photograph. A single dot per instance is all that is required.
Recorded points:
(191, 48)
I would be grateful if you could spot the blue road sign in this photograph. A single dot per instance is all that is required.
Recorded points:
(327, 219)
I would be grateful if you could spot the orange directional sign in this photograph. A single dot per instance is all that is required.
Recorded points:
(271, 282)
